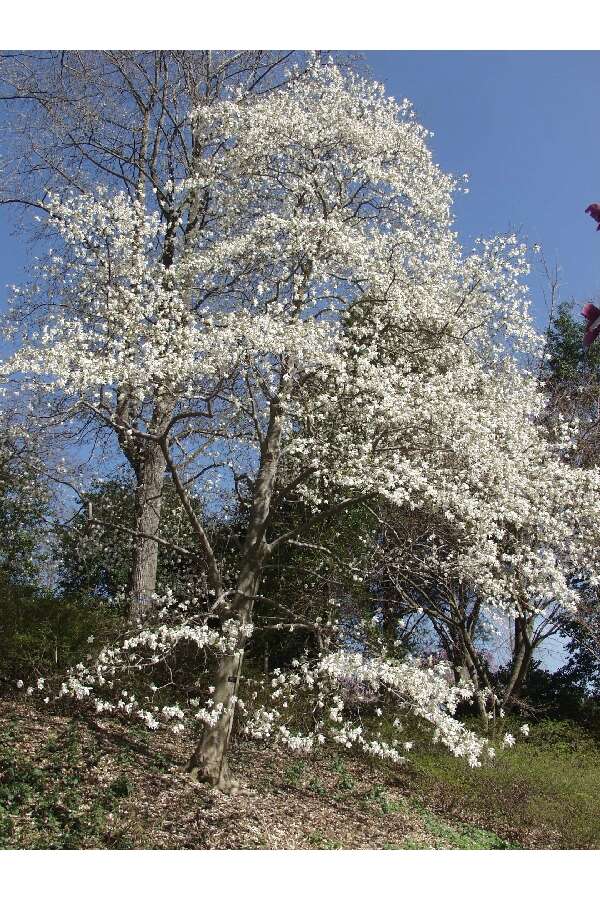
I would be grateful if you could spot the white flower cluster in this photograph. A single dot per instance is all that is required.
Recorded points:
(408, 686)
(139, 656)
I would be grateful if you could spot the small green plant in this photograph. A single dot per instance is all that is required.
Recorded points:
(345, 780)
(293, 774)
(161, 763)
(118, 840)
(320, 842)
(121, 786)
(317, 786)
(461, 836)
(377, 796)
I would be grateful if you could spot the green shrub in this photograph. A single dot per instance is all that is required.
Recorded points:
(42, 634)
(563, 736)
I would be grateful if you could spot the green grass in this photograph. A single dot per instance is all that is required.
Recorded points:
(545, 791)
(440, 833)
(460, 836)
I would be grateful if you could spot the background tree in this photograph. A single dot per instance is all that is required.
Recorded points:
(571, 380)
(41, 632)
(96, 544)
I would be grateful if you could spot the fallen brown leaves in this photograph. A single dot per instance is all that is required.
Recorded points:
(284, 802)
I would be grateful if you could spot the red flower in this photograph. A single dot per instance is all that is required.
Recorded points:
(594, 211)
(592, 314)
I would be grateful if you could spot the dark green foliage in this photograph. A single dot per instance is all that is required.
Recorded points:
(572, 382)
(42, 633)
(121, 786)
(44, 630)
(582, 634)
(554, 694)
(38, 632)
(565, 360)
(95, 559)
(565, 737)
(23, 522)
(567, 694)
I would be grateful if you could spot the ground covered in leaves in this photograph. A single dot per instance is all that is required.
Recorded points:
(70, 783)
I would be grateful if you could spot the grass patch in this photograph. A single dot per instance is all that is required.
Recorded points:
(545, 791)
(460, 836)
(440, 833)
(319, 841)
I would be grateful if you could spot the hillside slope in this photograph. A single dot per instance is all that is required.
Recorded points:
(75, 783)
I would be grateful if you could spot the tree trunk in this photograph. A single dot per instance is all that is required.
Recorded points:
(148, 501)
(521, 660)
(209, 760)
(479, 676)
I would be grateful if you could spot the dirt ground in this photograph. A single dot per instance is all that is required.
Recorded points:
(72, 783)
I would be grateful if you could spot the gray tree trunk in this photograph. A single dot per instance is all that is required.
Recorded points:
(148, 502)
(209, 760)
(522, 656)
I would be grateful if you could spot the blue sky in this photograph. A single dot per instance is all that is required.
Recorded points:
(525, 126)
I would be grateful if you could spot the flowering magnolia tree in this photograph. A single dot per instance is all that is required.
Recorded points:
(322, 341)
